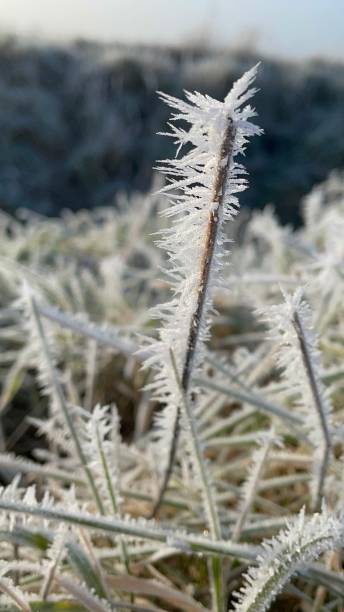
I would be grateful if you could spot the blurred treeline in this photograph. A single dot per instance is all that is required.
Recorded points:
(79, 123)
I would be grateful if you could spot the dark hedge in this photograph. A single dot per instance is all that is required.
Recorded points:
(78, 124)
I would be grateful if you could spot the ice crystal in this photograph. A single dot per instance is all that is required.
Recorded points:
(207, 178)
(302, 541)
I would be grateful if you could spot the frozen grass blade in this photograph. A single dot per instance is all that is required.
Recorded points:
(321, 403)
(55, 554)
(142, 529)
(102, 441)
(11, 591)
(106, 336)
(302, 542)
(250, 487)
(82, 595)
(300, 362)
(250, 398)
(207, 178)
(206, 485)
(59, 395)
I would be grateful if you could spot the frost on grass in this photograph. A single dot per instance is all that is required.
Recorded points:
(227, 495)
(249, 488)
(303, 541)
(101, 444)
(300, 362)
(203, 187)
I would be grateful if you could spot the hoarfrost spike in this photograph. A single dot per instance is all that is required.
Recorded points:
(207, 178)
(301, 542)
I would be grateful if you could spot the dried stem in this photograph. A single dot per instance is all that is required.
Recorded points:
(207, 492)
(225, 157)
(214, 223)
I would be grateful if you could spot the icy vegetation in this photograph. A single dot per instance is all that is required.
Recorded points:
(172, 418)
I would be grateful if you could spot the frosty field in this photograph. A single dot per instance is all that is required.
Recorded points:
(172, 385)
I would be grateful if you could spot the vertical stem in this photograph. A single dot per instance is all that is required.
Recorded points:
(258, 471)
(49, 578)
(214, 224)
(78, 447)
(316, 393)
(112, 495)
(64, 409)
(91, 372)
(209, 503)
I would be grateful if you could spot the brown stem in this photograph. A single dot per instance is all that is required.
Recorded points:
(216, 205)
(225, 155)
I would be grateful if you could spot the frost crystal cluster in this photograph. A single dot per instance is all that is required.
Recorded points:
(286, 554)
(207, 178)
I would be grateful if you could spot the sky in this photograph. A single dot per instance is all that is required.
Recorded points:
(293, 29)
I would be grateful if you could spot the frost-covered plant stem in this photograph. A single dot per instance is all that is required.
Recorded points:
(207, 491)
(111, 492)
(197, 318)
(302, 542)
(13, 593)
(250, 487)
(206, 177)
(214, 223)
(104, 336)
(82, 595)
(199, 464)
(51, 573)
(62, 404)
(300, 361)
(321, 410)
(180, 540)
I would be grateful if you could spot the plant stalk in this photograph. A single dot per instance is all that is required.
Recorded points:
(63, 406)
(214, 224)
(316, 393)
(209, 502)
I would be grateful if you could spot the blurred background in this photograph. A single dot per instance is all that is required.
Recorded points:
(79, 112)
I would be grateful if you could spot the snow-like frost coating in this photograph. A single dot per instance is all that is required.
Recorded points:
(302, 541)
(193, 176)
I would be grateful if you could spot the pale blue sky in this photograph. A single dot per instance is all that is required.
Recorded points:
(294, 28)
